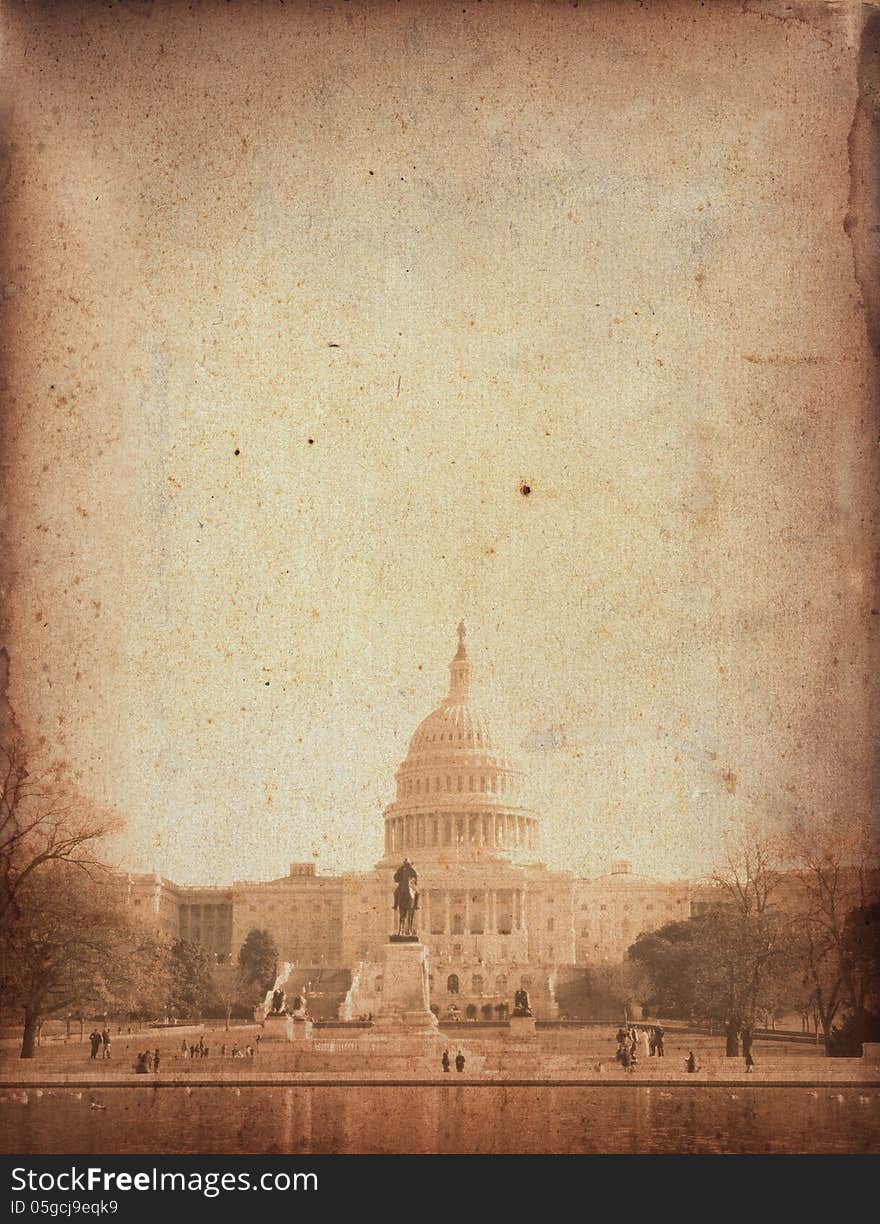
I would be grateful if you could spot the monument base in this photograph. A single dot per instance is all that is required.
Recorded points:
(279, 1027)
(522, 1026)
(404, 1003)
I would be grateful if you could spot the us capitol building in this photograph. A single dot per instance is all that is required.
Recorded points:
(493, 916)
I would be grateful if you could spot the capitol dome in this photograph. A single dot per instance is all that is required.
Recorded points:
(459, 794)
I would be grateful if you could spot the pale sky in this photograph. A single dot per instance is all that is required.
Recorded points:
(299, 296)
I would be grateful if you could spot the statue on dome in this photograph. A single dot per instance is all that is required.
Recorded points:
(406, 899)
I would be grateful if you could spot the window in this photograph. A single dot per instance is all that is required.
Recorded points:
(549, 924)
(452, 984)
(501, 984)
(525, 981)
(476, 984)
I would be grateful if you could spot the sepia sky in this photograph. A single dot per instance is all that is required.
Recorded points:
(295, 300)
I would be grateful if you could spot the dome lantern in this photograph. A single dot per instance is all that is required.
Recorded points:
(459, 671)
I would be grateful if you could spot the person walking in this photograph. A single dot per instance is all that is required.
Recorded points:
(155, 1062)
(658, 1040)
(95, 1041)
(747, 1049)
(105, 1038)
(444, 1061)
(459, 1061)
(690, 1063)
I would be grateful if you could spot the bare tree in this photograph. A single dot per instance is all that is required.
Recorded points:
(834, 873)
(749, 874)
(230, 986)
(746, 944)
(62, 946)
(43, 820)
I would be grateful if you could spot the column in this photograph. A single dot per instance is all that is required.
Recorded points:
(493, 900)
(426, 912)
(447, 923)
(467, 912)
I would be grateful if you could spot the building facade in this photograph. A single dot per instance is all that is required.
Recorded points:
(492, 914)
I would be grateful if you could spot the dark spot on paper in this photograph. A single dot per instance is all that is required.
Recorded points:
(237, 451)
(525, 489)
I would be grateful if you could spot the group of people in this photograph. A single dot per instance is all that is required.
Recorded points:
(237, 1051)
(146, 1062)
(99, 1041)
(459, 1061)
(628, 1038)
(196, 1049)
(200, 1049)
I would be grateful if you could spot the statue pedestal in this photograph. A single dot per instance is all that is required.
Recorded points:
(522, 1026)
(279, 1027)
(404, 1004)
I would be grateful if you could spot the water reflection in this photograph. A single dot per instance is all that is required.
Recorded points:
(447, 1119)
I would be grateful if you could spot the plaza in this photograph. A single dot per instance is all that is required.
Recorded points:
(492, 915)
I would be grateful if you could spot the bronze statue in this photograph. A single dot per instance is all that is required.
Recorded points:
(277, 1002)
(406, 898)
(521, 1004)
